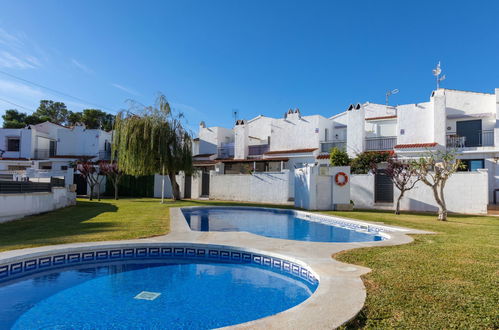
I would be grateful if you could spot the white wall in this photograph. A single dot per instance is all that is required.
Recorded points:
(465, 192)
(80, 141)
(297, 132)
(416, 120)
(258, 187)
(15, 206)
(316, 188)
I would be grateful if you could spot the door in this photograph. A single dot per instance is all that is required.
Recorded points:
(81, 184)
(383, 188)
(53, 148)
(472, 131)
(187, 186)
(205, 184)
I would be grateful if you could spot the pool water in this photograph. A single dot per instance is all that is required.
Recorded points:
(271, 223)
(191, 296)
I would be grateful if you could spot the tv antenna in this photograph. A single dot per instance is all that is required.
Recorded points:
(390, 93)
(235, 114)
(437, 73)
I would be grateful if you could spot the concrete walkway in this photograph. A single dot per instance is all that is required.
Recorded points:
(338, 298)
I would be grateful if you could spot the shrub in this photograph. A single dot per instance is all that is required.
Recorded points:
(367, 160)
(338, 157)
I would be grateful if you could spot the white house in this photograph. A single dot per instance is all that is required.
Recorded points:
(49, 147)
(462, 120)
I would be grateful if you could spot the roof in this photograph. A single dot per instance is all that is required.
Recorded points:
(204, 162)
(284, 159)
(458, 90)
(292, 151)
(323, 156)
(203, 155)
(6, 158)
(415, 145)
(385, 117)
(74, 156)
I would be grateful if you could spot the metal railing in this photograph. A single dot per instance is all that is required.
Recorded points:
(327, 146)
(225, 151)
(22, 187)
(42, 154)
(478, 139)
(259, 149)
(105, 155)
(381, 143)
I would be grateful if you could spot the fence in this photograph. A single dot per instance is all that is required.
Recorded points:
(22, 187)
(327, 146)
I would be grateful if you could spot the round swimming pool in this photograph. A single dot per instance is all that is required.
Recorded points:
(278, 223)
(149, 294)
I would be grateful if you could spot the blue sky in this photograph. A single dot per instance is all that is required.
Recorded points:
(259, 57)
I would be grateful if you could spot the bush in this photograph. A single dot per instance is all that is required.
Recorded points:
(338, 157)
(365, 161)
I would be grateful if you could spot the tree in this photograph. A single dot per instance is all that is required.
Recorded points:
(434, 170)
(95, 118)
(14, 119)
(55, 112)
(403, 176)
(367, 160)
(153, 141)
(91, 174)
(338, 157)
(74, 118)
(113, 173)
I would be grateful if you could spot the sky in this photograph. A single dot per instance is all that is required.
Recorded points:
(213, 57)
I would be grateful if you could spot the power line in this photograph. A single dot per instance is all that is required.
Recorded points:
(54, 90)
(15, 104)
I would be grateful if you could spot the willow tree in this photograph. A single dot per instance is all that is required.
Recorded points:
(152, 139)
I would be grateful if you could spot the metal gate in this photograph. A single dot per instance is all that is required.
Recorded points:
(187, 186)
(81, 184)
(205, 184)
(383, 188)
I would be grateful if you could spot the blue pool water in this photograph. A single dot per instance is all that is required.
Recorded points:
(271, 223)
(192, 296)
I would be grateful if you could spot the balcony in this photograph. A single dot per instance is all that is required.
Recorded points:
(328, 145)
(257, 150)
(381, 143)
(474, 139)
(226, 150)
(44, 153)
(105, 155)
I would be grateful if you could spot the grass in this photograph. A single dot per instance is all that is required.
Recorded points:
(442, 281)
(445, 281)
(94, 221)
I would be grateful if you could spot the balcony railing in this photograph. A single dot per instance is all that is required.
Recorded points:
(258, 149)
(226, 150)
(327, 146)
(44, 153)
(478, 139)
(105, 155)
(381, 143)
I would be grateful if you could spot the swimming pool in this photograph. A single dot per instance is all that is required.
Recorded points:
(155, 293)
(275, 223)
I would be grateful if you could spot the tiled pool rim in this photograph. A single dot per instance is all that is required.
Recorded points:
(61, 258)
(339, 296)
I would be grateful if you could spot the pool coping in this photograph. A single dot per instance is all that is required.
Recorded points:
(338, 298)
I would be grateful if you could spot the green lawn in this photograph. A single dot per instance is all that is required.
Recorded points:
(443, 281)
(94, 221)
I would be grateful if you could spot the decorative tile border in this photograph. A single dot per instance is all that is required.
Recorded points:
(204, 253)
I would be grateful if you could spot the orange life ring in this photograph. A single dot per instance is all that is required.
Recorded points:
(342, 182)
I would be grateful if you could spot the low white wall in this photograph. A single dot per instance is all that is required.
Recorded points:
(257, 187)
(465, 192)
(15, 206)
(316, 188)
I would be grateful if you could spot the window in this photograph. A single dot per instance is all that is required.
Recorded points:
(326, 134)
(64, 168)
(472, 164)
(13, 144)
